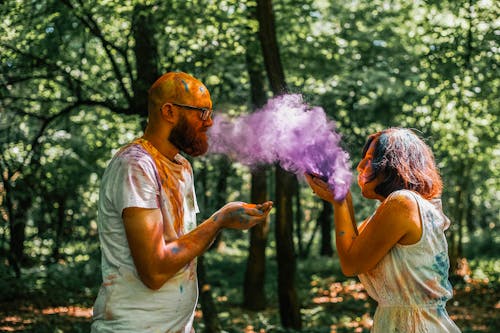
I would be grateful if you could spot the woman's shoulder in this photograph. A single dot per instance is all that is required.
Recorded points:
(405, 198)
(401, 205)
(404, 204)
(403, 193)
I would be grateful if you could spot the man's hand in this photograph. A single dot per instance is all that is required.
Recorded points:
(241, 215)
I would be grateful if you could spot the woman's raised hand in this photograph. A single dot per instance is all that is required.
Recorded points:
(320, 187)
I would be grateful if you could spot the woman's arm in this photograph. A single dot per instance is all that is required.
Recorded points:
(351, 212)
(395, 219)
(359, 251)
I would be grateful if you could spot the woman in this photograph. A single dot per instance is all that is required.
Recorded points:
(400, 252)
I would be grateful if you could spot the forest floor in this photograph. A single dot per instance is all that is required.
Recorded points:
(329, 304)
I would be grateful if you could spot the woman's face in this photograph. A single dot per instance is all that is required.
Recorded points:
(365, 171)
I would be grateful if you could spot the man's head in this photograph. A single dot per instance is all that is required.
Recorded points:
(181, 104)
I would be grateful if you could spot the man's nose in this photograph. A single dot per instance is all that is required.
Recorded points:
(208, 122)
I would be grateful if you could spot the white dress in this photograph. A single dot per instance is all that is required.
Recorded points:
(411, 282)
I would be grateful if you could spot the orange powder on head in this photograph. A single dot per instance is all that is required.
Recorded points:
(178, 87)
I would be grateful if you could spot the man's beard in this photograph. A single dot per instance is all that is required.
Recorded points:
(185, 138)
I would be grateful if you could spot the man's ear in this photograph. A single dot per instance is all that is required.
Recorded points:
(169, 113)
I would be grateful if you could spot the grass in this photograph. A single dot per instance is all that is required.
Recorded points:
(333, 303)
(58, 297)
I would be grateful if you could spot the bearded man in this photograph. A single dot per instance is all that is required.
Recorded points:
(147, 216)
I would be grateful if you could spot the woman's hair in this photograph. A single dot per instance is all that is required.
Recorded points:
(404, 161)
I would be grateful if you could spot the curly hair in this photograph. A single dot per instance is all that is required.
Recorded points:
(405, 162)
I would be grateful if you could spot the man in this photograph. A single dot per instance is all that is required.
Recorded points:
(147, 216)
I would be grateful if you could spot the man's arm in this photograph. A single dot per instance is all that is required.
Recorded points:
(157, 261)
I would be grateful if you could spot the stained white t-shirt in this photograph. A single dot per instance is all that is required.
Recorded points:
(139, 176)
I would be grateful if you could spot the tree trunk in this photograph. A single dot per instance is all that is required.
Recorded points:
(212, 324)
(325, 220)
(298, 218)
(254, 292)
(146, 57)
(16, 210)
(210, 318)
(223, 166)
(455, 248)
(288, 300)
(56, 254)
(270, 49)
(254, 295)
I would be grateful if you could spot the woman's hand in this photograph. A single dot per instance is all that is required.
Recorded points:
(320, 187)
(241, 215)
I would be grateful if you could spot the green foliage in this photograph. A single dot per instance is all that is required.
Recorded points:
(72, 282)
(67, 102)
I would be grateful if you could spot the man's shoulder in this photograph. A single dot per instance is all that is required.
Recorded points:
(131, 155)
(133, 152)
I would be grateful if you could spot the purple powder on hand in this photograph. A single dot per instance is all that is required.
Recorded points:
(285, 131)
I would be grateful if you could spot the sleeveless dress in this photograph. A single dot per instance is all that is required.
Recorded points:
(410, 284)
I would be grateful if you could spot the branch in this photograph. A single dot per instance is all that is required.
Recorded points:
(92, 25)
(41, 100)
(36, 143)
(50, 66)
(80, 102)
(126, 50)
(20, 79)
(24, 113)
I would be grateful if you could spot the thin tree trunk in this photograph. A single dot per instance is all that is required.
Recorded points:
(309, 243)
(224, 167)
(212, 324)
(325, 220)
(270, 49)
(16, 210)
(254, 292)
(298, 219)
(56, 255)
(146, 57)
(288, 299)
(210, 318)
(254, 295)
(455, 248)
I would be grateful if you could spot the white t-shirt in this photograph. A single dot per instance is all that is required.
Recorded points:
(139, 176)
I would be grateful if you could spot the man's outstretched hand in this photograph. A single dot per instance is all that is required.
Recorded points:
(241, 215)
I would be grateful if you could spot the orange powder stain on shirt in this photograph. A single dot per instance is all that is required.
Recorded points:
(169, 183)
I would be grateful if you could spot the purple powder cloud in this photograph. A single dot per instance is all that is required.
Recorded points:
(285, 131)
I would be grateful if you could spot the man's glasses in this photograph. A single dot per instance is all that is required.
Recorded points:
(205, 112)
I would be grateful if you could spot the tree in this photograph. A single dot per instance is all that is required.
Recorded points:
(325, 220)
(47, 89)
(288, 299)
(254, 295)
(74, 75)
